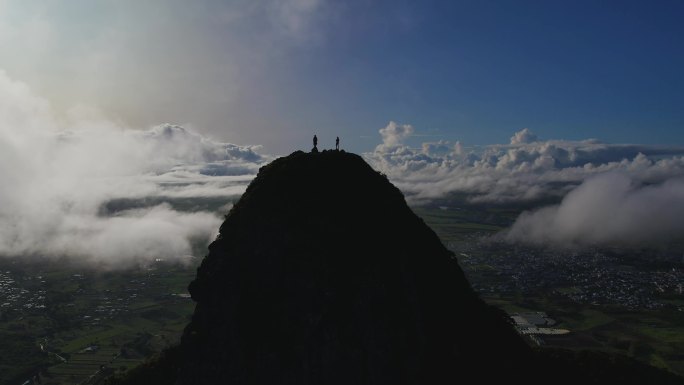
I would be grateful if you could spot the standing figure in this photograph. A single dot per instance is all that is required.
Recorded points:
(337, 143)
(315, 141)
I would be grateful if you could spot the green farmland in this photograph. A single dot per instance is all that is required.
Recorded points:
(652, 335)
(75, 326)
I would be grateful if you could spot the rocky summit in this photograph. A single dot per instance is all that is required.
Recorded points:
(322, 274)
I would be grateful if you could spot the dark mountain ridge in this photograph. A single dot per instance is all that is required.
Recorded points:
(322, 274)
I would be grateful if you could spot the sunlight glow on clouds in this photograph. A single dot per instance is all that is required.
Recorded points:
(145, 62)
(74, 170)
(58, 175)
(82, 186)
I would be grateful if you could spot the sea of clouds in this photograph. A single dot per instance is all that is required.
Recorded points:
(59, 173)
(81, 186)
(610, 194)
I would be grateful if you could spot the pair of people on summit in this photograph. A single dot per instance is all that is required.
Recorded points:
(337, 142)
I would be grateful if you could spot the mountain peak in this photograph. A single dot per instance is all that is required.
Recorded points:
(322, 274)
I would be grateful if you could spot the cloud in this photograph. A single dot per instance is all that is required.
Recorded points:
(217, 64)
(611, 193)
(440, 148)
(80, 185)
(393, 135)
(527, 170)
(608, 209)
(88, 188)
(523, 136)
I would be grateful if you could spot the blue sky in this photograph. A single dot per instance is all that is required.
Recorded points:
(430, 92)
(276, 72)
(477, 70)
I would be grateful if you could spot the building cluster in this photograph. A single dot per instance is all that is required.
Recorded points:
(587, 277)
(21, 295)
(81, 300)
(535, 325)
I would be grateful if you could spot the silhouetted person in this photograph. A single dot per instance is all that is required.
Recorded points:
(337, 143)
(315, 148)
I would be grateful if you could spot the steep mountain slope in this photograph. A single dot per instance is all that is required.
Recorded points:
(322, 274)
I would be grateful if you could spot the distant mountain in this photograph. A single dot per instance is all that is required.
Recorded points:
(322, 274)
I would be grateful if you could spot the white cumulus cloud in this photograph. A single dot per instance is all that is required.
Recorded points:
(523, 136)
(612, 193)
(608, 209)
(527, 170)
(83, 187)
(393, 135)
